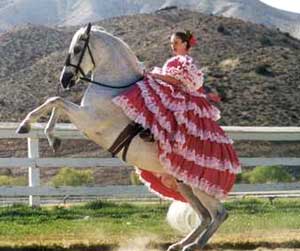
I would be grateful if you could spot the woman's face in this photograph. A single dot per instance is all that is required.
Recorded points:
(178, 47)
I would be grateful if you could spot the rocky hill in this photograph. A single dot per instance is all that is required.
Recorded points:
(23, 46)
(254, 68)
(77, 12)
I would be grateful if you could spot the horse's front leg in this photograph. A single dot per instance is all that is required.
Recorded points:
(72, 111)
(35, 114)
(53, 141)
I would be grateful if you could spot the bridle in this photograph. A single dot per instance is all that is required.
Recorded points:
(124, 139)
(78, 66)
(86, 46)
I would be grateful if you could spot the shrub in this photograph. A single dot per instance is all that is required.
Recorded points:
(6, 180)
(72, 177)
(264, 69)
(262, 174)
(266, 41)
(134, 179)
(98, 204)
(222, 29)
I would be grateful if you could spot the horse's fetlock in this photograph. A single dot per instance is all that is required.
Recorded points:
(206, 221)
(222, 214)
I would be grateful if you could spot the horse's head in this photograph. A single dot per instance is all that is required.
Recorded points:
(109, 58)
(80, 60)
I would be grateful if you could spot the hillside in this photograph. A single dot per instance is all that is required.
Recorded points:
(23, 46)
(76, 12)
(254, 69)
(253, 11)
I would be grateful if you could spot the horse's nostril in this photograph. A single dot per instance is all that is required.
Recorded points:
(66, 79)
(71, 83)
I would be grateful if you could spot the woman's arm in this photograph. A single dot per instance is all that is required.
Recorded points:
(166, 78)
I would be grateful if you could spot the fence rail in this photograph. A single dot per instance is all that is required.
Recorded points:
(68, 131)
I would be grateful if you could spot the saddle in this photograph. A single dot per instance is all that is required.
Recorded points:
(124, 139)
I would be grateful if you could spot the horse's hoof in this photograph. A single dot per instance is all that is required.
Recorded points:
(23, 128)
(175, 247)
(56, 144)
(192, 247)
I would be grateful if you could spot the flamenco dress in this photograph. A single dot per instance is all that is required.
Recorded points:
(192, 147)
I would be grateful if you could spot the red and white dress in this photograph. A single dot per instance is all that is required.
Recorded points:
(192, 146)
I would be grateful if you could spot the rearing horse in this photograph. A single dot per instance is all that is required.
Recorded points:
(114, 67)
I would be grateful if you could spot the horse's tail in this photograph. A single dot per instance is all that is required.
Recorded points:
(182, 217)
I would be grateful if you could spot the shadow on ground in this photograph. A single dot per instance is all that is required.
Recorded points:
(161, 246)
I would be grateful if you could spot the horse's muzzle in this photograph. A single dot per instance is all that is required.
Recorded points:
(67, 79)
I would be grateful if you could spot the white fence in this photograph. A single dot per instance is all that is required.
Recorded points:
(68, 131)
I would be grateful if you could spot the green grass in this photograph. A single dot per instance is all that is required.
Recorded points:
(265, 174)
(6, 180)
(94, 222)
(67, 176)
(259, 214)
(111, 223)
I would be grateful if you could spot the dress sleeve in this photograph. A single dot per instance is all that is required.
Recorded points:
(183, 69)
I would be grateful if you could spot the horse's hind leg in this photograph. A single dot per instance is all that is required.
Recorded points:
(219, 218)
(202, 213)
(219, 215)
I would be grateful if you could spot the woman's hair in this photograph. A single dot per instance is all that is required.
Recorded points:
(187, 37)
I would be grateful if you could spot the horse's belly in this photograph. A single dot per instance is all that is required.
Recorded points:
(141, 154)
(144, 155)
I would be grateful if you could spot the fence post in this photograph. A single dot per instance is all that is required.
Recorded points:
(33, 171)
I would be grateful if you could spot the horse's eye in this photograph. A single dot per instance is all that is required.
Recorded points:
(77, 49)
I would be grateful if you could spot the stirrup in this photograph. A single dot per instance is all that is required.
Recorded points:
(124, 139)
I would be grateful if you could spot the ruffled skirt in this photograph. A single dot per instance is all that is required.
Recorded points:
(192, 147)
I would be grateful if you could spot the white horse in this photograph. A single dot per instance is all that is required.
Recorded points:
(112, 63)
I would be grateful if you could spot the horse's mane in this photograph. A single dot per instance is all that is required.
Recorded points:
(100, 29)
(95, 28)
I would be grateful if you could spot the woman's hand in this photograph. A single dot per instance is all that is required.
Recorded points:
(145, 73)
(165, 78)
(155, 75)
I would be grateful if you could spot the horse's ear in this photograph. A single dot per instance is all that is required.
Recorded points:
(88, 28)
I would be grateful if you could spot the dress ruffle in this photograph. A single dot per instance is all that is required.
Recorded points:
(192, 146)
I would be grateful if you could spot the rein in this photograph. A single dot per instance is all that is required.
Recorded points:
(109, 86)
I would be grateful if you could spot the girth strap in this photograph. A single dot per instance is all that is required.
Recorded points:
(124, 139)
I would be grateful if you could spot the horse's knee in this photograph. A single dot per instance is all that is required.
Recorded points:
(53, 100)
(48, 130)
(206, 219)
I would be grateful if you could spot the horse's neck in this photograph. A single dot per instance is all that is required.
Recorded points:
(98, 97)
(117, 65)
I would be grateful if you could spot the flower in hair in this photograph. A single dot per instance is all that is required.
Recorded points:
(192, 38)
